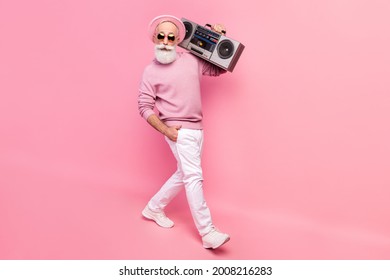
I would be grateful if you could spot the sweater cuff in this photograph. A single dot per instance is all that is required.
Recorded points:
(147, 114)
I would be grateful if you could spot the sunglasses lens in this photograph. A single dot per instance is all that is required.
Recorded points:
(171, 37)
(160, 36)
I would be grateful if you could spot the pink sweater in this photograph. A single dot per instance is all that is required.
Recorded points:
(174, 89)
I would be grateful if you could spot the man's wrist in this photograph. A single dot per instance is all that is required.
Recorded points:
(164, 130)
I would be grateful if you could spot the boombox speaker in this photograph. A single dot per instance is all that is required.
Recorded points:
(211, 46)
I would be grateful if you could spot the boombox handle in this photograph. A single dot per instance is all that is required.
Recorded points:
(209, 25)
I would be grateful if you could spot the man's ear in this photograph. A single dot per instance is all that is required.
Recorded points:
(154, 36)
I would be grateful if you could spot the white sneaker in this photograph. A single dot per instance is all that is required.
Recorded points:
(158, 217)
(215, 239)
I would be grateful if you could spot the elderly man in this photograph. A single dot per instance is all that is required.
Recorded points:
(171, 83)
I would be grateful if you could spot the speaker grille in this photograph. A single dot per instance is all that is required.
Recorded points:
(225, 49)
(188, 27)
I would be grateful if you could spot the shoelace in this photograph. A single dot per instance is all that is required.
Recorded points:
(161, 215)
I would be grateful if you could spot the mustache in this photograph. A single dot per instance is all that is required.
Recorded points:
(164, 47)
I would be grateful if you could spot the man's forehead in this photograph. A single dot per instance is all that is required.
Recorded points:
(167, 26)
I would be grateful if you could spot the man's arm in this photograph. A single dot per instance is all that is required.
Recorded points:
(146, 103)
(169, 131)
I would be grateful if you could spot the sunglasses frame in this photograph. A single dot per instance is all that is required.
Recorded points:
(161, 36)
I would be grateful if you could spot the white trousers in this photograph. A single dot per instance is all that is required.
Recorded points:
(187, 151)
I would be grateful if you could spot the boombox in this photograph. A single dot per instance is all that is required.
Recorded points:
(211, 46)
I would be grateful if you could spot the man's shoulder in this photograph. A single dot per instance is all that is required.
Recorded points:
(151, 64)
(189, 58)
(151, 67)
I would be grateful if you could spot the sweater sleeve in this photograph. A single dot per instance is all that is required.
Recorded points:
(146, 98)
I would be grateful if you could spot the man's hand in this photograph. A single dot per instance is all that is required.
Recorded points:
(172, 132)
(169, 131)
(219, 28)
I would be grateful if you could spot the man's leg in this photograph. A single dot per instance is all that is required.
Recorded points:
(188, 150)
(154, 210)
(167, 192)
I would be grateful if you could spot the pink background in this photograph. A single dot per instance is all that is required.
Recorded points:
(297, 154)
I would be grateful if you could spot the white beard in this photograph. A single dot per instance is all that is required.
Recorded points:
(165, 54)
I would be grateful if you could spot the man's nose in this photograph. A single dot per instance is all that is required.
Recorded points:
(166, 40)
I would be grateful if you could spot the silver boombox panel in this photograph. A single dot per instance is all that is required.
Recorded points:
(211, 46)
